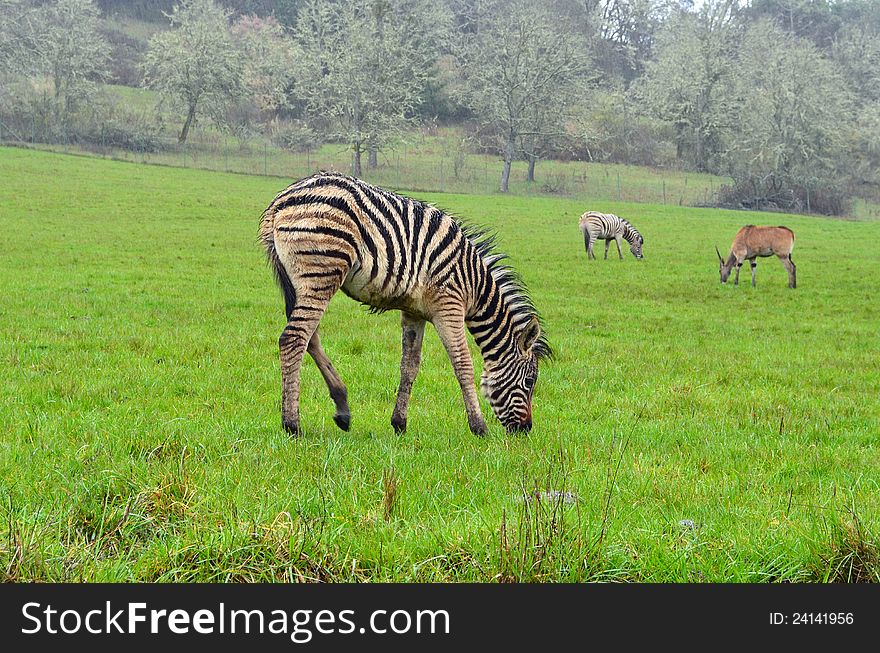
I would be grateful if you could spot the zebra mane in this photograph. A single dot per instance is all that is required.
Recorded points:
(510, 284)
(629, 226)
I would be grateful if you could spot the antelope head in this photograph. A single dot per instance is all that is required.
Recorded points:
(723, 268)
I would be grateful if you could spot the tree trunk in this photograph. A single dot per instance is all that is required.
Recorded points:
(373, 159)
(679, 141)
(356, 159)
(508, 160)
(190, 116)
(701, 152)
(532, 161)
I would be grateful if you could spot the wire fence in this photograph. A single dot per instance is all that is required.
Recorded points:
(408, 167)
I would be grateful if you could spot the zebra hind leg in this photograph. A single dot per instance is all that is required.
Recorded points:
(338, 391)
(304, 316)
(607, 245)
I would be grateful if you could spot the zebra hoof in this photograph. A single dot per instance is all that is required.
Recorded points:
(343, 421)
(479, 428)
(291, 427)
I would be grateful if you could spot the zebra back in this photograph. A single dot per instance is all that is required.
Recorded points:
(392, 244)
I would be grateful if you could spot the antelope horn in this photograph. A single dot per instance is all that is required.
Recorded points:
(719, 254)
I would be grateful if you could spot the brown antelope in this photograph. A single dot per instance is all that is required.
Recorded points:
(751, 242)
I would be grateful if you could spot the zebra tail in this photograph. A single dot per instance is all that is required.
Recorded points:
(267, 238)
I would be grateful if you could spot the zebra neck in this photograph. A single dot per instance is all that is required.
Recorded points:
(629, 233)
(491, 323)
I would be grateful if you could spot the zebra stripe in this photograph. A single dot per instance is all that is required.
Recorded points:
(332, 232)
(607, 226)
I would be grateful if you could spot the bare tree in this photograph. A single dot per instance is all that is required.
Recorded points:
(195, 64)
(791, 121)
(856, 49)
(362, 69)
(690, 82)
(15, 24)
(65, 44)
(520, 75)
(268, 61)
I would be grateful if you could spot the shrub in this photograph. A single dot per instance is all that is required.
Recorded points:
(135, 135)
(772, 193)
(555, 183)
(295, 136)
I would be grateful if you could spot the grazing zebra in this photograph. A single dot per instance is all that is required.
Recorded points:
(330, 231)
(596, 226)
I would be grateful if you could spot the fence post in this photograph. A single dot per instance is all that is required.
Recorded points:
(265, 154)
(619, 195)
(664, 191)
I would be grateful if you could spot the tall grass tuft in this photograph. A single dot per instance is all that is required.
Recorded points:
(389, 493)
(851, 554)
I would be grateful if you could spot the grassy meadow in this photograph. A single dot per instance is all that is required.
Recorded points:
(686, 431)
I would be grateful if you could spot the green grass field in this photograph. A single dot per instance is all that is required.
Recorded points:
(703, 432)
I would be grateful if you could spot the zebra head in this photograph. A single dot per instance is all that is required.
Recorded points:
(636, 246)
(510, 384)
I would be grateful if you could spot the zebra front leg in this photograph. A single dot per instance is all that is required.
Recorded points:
(450, 328)
(413, 331)
(619, 253)
(338, 391)
(754, 264)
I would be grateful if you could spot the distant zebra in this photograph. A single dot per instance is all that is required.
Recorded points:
(329, 232)
(597, 226)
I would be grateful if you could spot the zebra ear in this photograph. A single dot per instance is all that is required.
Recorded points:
(530, 334)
